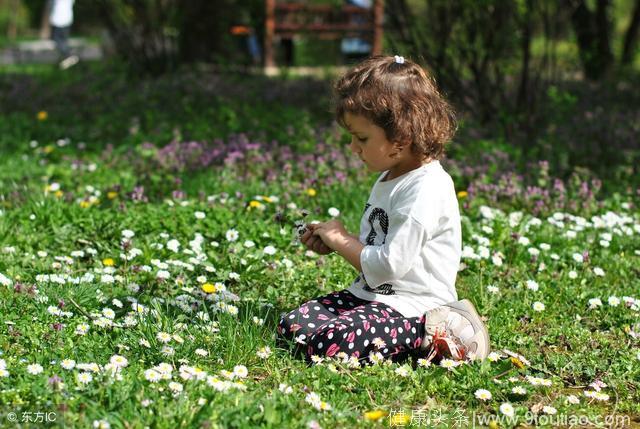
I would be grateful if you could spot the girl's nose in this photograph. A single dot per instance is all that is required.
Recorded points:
(354, 147)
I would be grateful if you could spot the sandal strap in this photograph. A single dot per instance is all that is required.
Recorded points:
(443, 345)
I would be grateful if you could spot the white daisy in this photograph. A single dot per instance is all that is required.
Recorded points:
(175, 387)
(449, 363)
(402, 371)
(240, 371)
(34, 369)
(101, 424)
(173, 245)
(493, 289)
(232, 235)
(595, 302)
(163, 337)
(483, 394)
(519, 390)
(119, 361)
(84, 377)
(423, 362)
(538, 306)
(68, 364)
(496, 259)
(507, 409)
(494, 357)
(264, 352)
(572, 399)
(317, 360)
(152, 375)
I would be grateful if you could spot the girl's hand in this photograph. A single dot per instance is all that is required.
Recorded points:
(314, 242)
(332, 233)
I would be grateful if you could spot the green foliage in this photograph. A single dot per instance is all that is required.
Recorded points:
(75, 230)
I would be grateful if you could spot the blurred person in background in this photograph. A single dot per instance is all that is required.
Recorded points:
(61, 18)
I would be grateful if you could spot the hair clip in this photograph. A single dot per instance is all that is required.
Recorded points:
(399, 59)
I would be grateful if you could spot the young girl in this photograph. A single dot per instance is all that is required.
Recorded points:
(403, 302)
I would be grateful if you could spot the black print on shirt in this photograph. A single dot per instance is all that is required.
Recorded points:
(378, 216)
(379, 223)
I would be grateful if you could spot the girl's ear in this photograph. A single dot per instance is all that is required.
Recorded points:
(400, 146)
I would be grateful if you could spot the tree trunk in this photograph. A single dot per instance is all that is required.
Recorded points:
(592, 31)
(631, 36)
(526, 55)
(45, 26)
(603, 24)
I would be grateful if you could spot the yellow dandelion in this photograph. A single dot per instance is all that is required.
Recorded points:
(42, 115)
(311, 192)
(59, 194)
(493, 424)
(108, 262)
(112, 194)
(84, 204)
(48, 149)
(462, 194)
(267, 199)
(517, 362)
(208, 288)
(255, 204)
(375, 415)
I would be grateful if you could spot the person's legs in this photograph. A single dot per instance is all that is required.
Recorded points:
(370, 328)
(300, 323)
(60, 36)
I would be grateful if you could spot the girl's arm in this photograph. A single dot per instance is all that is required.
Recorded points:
(350, 249)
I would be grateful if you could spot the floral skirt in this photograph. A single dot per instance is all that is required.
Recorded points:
(341, 322)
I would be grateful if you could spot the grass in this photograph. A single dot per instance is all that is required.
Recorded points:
(65, 209)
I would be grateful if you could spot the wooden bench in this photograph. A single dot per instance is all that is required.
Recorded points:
(284, 20)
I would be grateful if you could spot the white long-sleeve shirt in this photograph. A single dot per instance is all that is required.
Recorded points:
(61, 13)
(413, 241)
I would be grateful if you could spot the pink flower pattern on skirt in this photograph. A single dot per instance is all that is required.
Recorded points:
(331, 328)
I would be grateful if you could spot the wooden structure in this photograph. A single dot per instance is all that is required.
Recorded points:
(288, 19)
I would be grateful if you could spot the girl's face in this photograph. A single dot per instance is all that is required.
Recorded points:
(369, 143)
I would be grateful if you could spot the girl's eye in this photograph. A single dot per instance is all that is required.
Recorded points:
(362, 140)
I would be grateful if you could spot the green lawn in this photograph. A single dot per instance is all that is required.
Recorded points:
(142, 272)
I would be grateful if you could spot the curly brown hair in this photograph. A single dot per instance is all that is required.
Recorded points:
(400, 98)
